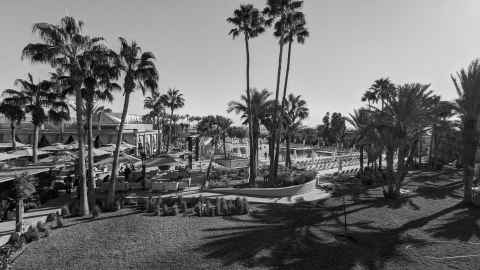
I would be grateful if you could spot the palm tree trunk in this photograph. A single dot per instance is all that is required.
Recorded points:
(81, 157)
(91, 178)
(159, 136)
(36, 130)
(273, 172)
(389, 157)
(209, 168)
(170, 130)
(285, 84)
(12, 133)
(62, 130)
(252, 175)
(288, 161)
(116, 153)
(225, 146)
(470, 144)
(19, 215)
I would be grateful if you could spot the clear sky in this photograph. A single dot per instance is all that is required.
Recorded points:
(351, 44)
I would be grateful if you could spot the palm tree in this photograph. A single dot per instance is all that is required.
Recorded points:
(98, 112)
(467, 84)
(35, 98)
(248, 21)
(407, 114)
(173, 100)
(224, 125)
(156, 115)
(208, 127)
(139, 70)
(64, 46)
(258, 108)
(279, 11)
(360, 120)
(295, 31)
(15, 114)
(61, 90)
(100, 69)
(295, 112)
(23, 190)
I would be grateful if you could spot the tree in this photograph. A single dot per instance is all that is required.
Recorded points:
(250, 22)
(360, 120)
(23, 190)
(467, 84)
(156, 114)
(35, 97)
(208, 127)
(237, 132)
(295, 112)
(407, 114)
(173, 100)
(223, 124)
(100, 69)
(64, 46)
(295, 30)
(98, 112)
(278, 11)
(139, 71)
(258, 108)
(61, 90)
(337, 128)
(15, 114)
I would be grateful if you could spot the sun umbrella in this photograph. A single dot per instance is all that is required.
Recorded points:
(123, 158)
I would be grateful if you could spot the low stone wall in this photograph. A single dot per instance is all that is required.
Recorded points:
(269, 192)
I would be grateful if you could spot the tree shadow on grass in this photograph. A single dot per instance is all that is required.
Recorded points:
(289, 238)
(463, 225)
(108, 215)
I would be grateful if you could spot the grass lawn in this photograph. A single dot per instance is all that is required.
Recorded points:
(427, 229)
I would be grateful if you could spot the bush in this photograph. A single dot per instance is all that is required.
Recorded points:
(16, 240)
(230, 207)
(65, 211)
(157, 211)
(42, 228)
(31, 234)
(96, 211)
(183, 206)
(198, 209)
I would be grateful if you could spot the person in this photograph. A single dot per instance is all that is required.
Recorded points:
(127, 172)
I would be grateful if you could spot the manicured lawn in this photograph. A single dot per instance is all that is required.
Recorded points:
(428, 229)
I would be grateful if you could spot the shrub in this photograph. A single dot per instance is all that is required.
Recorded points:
(96, 211)
(238, 206)
(118, 204)
(50, 217)
(74, 208)
(42, 228)
(31, 234)
(157, 211)
(16, 240)
(210, 210)
(183, 206)
(65, 211)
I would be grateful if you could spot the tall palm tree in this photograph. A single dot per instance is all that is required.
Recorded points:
(295, 111)
(139, 70)
(15, 114)
(100, 69)
(248, 21)
(360, 120)
(278, 11)
(61, 89)
(208, 127)
(467, 84)
(407, 114)
(295, 30)
(63, 46)
(172, 100)
(258, 108)
(224, 125)
(35, 97)
(156, 114)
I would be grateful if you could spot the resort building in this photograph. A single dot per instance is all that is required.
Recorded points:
(105, 128)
